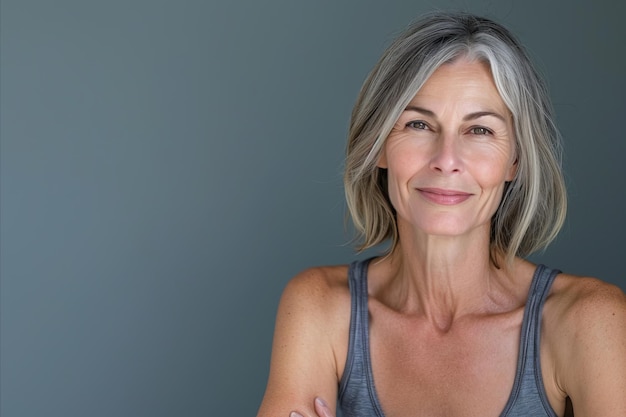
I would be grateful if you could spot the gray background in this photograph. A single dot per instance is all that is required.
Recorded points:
(166, 167)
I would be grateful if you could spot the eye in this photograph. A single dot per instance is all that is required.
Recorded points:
(479, 130)
(417, 124)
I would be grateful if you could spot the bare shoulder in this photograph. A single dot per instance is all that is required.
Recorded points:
(317, 300)
(584, 301)
(320, 291)
(585, 322)
(310, 341)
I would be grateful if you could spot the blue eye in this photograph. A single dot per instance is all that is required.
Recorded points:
(417, 124)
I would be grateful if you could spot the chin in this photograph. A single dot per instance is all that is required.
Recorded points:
(448, 227)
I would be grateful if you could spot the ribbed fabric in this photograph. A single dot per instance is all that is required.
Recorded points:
(357, 394)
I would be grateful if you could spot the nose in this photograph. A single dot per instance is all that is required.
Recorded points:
(446, 157)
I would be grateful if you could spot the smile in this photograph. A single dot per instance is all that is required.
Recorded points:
(443, 197)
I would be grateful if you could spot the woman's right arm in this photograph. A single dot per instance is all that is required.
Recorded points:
(313, 315)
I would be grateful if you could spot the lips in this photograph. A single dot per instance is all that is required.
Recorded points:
(444, 196)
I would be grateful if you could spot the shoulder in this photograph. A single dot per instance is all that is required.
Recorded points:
(310, 341)
(320, 278)
(318, 290)
(315, 307)
(585, 303)
(586, 324)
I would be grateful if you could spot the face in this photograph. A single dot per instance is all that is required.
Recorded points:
(451, 152)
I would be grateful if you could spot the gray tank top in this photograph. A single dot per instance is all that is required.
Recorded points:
(357, 394)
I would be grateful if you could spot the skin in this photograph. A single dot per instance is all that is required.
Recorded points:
(444, 321)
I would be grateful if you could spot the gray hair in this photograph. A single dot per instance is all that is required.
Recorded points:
(534, 204)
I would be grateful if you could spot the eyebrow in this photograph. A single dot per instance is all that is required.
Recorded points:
(470, 116)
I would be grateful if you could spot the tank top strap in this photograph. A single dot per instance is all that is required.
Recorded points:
(357, 396)
(358, 285)
(528, 380)
(539, 290)
(357, 280)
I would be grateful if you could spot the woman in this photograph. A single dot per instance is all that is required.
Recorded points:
(453, 157)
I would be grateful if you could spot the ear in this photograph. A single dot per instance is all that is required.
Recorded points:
(382, 160)
(512, 172)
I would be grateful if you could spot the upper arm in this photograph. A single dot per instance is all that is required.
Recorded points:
(593, 354)
(304, 350)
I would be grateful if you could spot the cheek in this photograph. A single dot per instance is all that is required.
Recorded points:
(491, 174)
(494, 178)
(395, 179)
(399, 174)
(494, 165)
(406, 156)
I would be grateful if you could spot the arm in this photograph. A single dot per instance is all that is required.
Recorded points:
(311, 318)
(593, 355)
(321, 408)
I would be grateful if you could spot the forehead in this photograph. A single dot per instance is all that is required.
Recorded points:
(461, 82)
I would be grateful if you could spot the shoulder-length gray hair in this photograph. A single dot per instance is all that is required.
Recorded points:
(533, 206)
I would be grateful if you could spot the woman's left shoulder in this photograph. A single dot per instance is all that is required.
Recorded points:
(585, 333)
(577, 301)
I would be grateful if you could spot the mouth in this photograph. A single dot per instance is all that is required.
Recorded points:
(444, 196)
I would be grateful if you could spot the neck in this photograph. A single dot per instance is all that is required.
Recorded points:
(443, 278)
